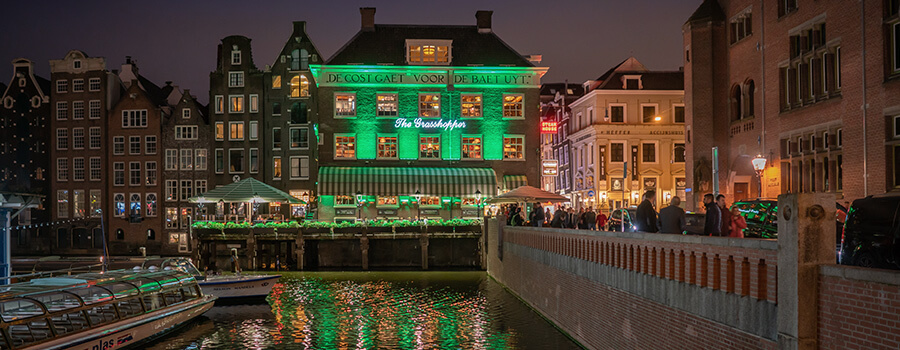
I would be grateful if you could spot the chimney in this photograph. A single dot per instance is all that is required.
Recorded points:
(368, 18)
(127, 59)
(483, 20)
(168, 82)
(300, 26)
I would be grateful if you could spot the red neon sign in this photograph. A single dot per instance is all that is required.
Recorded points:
(548, 127)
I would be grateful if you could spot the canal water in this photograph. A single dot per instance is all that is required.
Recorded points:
(374, 310)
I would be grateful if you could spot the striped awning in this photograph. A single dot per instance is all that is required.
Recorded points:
(511, 182)
(378, 181)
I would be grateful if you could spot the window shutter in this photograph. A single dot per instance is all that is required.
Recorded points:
(749, 23)
(817, 76)
(806, 146)
(816, 38)
(785, 145)
(782, 91)
(829, 72)
(804, 81)
(804, 42)
(792, 86)
(832, 140)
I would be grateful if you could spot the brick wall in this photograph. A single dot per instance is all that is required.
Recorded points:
(858, 308)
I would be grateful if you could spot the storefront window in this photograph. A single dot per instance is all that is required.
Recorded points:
(171, 217)
(429, 105)
(430, 200)
(344, 200)
(470, 201)
(387, 200)
(345, 104)
(387, 147)
(512, 106)
(344, 147)
(471, 147)
(430, 147)
(470, 105)
(513, 147)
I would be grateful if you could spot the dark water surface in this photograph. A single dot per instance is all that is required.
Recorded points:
(374, 310)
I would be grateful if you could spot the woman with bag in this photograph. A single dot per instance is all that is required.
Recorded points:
(738, 224)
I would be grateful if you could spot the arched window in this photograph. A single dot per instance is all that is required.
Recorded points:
(119, 201)
(299, 86)
(751, 91)
(304, 86)
(295, 86)
(736, 98)
(295, 60)
(151, 204)
(135, 204)
(298, 113)
(304, 59)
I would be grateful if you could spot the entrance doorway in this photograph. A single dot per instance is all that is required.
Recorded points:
(741, 191)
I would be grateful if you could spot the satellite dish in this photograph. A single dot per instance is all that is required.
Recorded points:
(236, 178)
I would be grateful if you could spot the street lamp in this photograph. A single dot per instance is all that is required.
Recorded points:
(759, 164)
(358, 205)
(478, 200)
(418, 197)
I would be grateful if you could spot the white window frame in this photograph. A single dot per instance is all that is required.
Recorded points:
(250, 157)
(655, 144)
(76, 137)
(521, 105)
(217, 135)
(355, 146)
(95, 133)
(131, 177)
(151, 140)
(186, 159)
(62, 86)
(440, 147)
(76, 83)
(62, 139)
(244, 162)
(481, 152)
(91, 83)
(254, 103)
(62, 169)
(480, 104)
(62, 110)
(119, 140)
(235, 54)
(354, 104)
(185, 190)
(395, 104)
(185, 113)
(505, 136)
(254, 130)
(124, 205)
(62, 204)
(675, 105)
(131, 144)
(216, 158)
(186, 132)
(119, 167)
(300, 168)
(171, 190)
(276, 164)
(420, 100)
(197, 187)
(77, 110)
(276, 131)
(655, 113)
(300, 132)
(232, 105)
(171, 159)
(98, 168)
(624, 112)
(94, 105)
(147, 170)
(201, 158)
(230, 126)
(396, 144)
(219, 105)
(236, 79)
(147, 211)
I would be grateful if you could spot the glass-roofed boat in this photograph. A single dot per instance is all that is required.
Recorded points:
(103, 310)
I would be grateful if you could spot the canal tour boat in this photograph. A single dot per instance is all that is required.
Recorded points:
(225, 287)
(93, 311)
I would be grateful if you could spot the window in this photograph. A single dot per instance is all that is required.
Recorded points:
(119, 173)
(299, 86)
(236, 130)
(254, 103)
(387, 200)
(237, 104)
(171, 190)
(299, 113)
(837, 67)
(200, 187)
(150, 144)
(648, 114)
(430, 147)
(220, 161)
(514, 147)
(617, 152)
(679, 113)
(77, 85)
(840, 138)
(94, 84)
(387, 147)
(119, 145)
(430, 200)
(276, 167)
(185, 132)
(62, 138)
(741, 27)
(299, 167)
(78, 138)
(186, 190)
(276, 82)
(62, 86)
(200, 156)
(344, 104)
(430, 105)
(171, 217)
(471, 147)
(78, 110)
(235, 79)
(428, 51)
(119, 204)
(171, 159)
(276, 108)
(236, 161)
(94, 109)
(78, 203)
(344, 200)
(235, 57)
(679, 156)
(220, 131)
(254, 130)
(648, 153)
(134, 145)
(219, 104)
(134, 173)
(135, 205)
(95, 168)
(62, 203)
(617, 113)
(386, 105)
(78, 169)
(276, 138)
(470, 105)
(134, 118)
(185, 113)
(151, 204)
(187, 159)
(94, 141)
(96, 202)
(62, 110)
(513, 106)
(299, 138)
(344, 146)
(786, 7)
(151, 173)
(254, 160)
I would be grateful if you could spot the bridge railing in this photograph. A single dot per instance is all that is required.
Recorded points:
(742, 266)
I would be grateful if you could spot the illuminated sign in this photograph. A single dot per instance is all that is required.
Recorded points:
(430, 76)
(550, 167)
(548, 127)
(419, 123)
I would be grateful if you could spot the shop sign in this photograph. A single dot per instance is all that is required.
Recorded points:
(550, 167)
(549, 127)
(430, 212)
(345, 211)
(485, 76)
(387, 212)
(419, 123)
(470, 212)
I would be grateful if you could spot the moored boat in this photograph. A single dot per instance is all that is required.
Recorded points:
(105, 310)
(225, 286)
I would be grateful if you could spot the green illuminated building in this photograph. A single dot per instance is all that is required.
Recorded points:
(449, 112)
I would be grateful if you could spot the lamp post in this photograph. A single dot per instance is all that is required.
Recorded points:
(478, 200)
(759, 164)
(418, 197)
(358, 205)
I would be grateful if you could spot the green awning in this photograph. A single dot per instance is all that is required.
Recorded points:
(382, 181)
(244, 191)
(511, 182)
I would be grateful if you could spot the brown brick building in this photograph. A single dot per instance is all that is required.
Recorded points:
(810, 85)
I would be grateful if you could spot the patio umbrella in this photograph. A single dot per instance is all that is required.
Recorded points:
(247, 190)
(528, 194)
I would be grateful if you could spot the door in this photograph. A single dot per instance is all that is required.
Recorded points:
(741, 190)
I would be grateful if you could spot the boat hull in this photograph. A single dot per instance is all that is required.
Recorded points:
(232, 287)
(131, 331)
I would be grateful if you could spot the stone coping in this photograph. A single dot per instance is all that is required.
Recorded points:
(862, 274)
(748, 243)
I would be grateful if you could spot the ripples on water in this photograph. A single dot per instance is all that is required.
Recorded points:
(374, 310)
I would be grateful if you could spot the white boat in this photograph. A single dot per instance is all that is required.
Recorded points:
(226, 286)
(107, 310)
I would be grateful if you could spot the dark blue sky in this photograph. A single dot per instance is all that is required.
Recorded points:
(176, 40)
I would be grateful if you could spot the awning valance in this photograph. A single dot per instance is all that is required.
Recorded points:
(382, 181)
(511, 182)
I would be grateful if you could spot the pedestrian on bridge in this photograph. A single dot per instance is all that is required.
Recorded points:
(671, 218)
(646, 219)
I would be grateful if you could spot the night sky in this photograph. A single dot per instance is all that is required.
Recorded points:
(176, 40)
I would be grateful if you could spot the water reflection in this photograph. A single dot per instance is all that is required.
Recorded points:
(375, 310)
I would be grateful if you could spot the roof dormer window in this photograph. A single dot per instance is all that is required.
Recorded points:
(632, 82)
(428, 52)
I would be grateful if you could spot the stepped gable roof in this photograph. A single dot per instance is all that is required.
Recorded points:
(387, 45)
(709, 10)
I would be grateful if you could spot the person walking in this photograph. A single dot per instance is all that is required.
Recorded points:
(738, 223)
(713, 223)
(590, 218)
(645, 218)
(558, 217)
(601, 221)
(547, 217)
(572, 219)
(538, 212)
(671, 218)
(581, 219)
(726, 215)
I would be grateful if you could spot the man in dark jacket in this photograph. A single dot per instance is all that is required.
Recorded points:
(538, 219)
(645, 218)
(713, 224)
(558, 217)
(725, 225)
(671, 218)
(590, 219)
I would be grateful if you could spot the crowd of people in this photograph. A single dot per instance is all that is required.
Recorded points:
(563, 217)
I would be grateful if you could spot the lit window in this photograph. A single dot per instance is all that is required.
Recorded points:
(430, 200)
(236, 105)
(470, 105)
(512, 106)
(471, 147)
(429, 105)
(254, 130)
(151, 204)
(200, 156)
(276, 82)
(119, 206)
(151, 173)
(344, 200)
(387, 147)
(254, 103)
(513, 147)
(428, 51)
(171, 217)
(386, 105)
(344, 147)
(220, 131)
(220, 104)
(276, 167)
(237, 130)
(387, 200)
(344, 104)
(171, 190)
(430, 147)
(78, 203)
(62, 201)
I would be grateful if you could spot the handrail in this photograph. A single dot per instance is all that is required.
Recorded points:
(89, 268)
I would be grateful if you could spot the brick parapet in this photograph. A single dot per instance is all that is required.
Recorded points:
(859, 308)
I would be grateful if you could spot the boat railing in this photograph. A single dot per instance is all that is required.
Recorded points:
(53, 273)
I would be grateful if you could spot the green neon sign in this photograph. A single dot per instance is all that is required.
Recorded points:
(419, 123)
